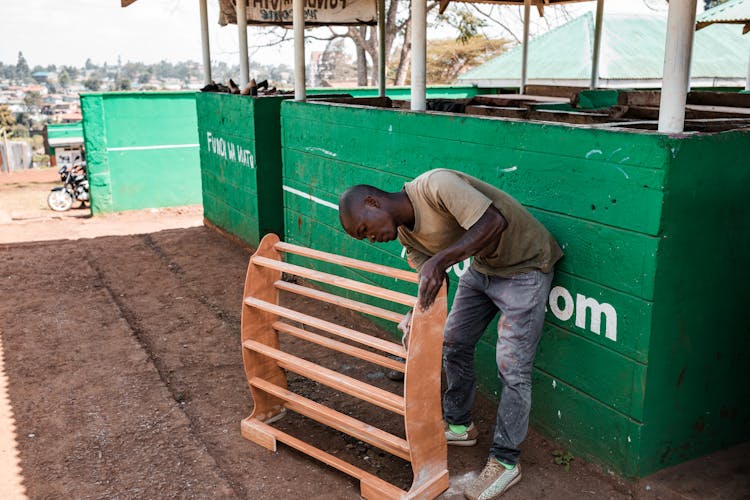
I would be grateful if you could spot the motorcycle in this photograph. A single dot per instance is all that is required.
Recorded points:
(75, 187)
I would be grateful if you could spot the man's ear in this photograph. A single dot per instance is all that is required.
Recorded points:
(371, 201)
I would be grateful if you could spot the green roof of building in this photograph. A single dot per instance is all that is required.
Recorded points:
(632, 50)
(733, 11)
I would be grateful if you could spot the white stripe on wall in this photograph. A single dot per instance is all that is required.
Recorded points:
(145, 148)
(311, 198)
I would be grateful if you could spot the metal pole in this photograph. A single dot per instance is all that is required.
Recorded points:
(525, 60)
(382, 57)
(597, 44)
(242, 29)
(677, 56)
(7, 152)
(747, 81)
(204, 42)
(298, 23)
(419, 55)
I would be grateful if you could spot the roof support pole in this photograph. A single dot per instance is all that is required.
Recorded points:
(242, 31)
(204, 42)
(382, 57)
(597, 44)
(419, 55)
(747, 81)
(298, 23)
(677, 57)
(525, 59)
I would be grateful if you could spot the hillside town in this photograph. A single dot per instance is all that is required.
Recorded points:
(33, 97)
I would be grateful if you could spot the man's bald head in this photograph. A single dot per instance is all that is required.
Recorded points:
(363, 212)
(355, 197)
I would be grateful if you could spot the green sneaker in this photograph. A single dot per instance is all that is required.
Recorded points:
(494, 480)
(466, 438)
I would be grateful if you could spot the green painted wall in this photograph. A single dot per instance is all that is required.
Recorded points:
(624, 207)
(433, 92)
(142, 150)
(240, 156)
(697, 398)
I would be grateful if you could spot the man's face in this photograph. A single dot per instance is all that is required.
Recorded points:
(370, 221)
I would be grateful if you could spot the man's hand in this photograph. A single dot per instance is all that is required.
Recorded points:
(430, 280)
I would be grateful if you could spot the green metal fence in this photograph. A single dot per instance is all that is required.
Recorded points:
(142, 150)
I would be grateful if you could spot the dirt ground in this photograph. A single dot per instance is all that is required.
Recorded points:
(124, 379)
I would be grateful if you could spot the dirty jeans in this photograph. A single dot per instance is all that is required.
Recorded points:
(521, 301)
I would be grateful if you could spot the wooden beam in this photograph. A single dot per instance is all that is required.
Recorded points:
(725, 99)
(327, 326)
(330, 298)
(341, 347)
(348, 385)
(258, 431)
(362, 265)
(338, 281)
(337, 420)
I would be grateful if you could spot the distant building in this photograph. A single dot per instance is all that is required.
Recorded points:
(64, 142)
(41, 76)
(632, 56)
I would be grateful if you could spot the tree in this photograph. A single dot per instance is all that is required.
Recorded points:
(33, 101)
(24, 119)
(122, 84)
(19, 130)
(448, 58)
(72, 71)
(334, 64)
(365, 38)
(22, 68)
(7, 119)
(63, 78)
(93, 83)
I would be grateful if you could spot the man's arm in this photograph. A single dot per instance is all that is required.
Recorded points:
(415, 258)
(486, 230)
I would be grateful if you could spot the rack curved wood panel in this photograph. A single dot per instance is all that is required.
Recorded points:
(263, 319)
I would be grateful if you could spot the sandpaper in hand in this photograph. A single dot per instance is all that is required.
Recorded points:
(405, 327)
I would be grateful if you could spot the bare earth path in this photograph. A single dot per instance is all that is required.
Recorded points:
(124, 379)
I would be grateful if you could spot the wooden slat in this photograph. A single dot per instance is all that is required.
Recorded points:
(348, 262)
(335, 345)
(327, 326)
(332, 279)
(332, 418)
(335, 380)
(354, 305)
(382, 487)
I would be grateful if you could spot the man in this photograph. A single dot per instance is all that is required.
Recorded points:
(443, 217)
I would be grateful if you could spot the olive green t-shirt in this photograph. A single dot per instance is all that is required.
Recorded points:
(447, 203)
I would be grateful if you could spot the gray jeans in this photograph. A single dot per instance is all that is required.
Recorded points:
(521, 301)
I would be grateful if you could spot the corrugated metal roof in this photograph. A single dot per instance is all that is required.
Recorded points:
(733, 11)
(632, 49)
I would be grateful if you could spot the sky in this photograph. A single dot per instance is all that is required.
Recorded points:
(68, 32)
